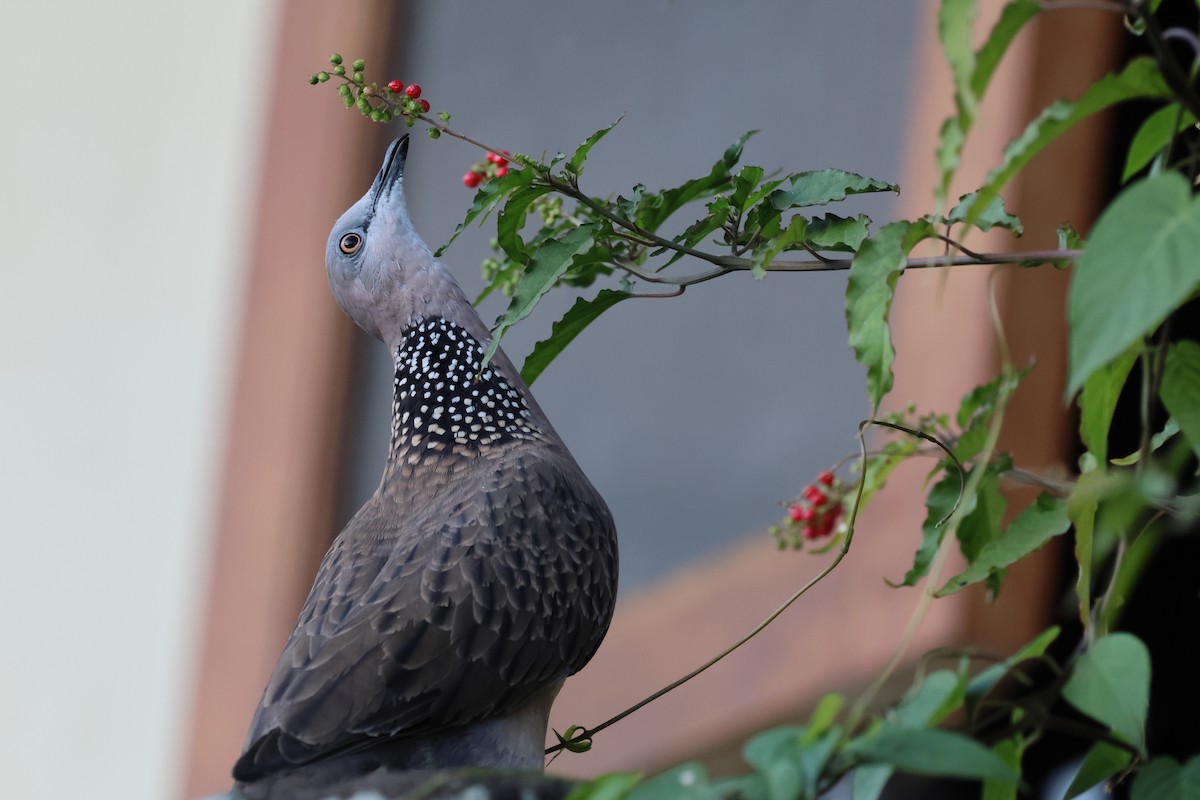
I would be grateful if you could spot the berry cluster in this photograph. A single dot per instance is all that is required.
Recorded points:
(495, 166)
(815, 515)
(380, 103)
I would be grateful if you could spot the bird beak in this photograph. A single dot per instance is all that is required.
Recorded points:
(392, 170)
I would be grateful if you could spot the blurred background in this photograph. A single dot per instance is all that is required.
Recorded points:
(188, 419)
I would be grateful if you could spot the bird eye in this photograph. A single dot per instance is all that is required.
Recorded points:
(350, 243)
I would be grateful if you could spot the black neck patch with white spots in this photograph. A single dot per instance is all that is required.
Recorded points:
(442, 400)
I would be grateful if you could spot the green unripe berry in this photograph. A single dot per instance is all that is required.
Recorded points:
(410, 121)
(387, 115)
(347, 101)
(359, 65)
(377, 116)
(339, 70)
(357, 77)
(364, 105)
(335, 59)
(444, 116)
(434, 133)
(313, 79)
(322, 76)
(343, 90)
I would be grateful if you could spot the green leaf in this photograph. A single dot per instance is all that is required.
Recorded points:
(744, 184)
(549, 263)
(982, 525)
(1141, 78)
(765, 253)
(1180, 390)
(955, 18)
(868, 781)
(1010, 752)
(685, 782)
(651, 215)
(1164, 778)
(718, 213)
(1032, 528)
(1102, 761)
(951, 138)
(1111, 684)
(929, 702)
(511, 220)
(1081, 508)
(1139, 264)
(939, 503)
(927, 751)
(1154, 136)
(823, 186)
(564, 331)
(487, 197)
(982, 683)
(773, 754)
(1012, 19)
(823, 716)
(872, 284)
(1098, 401)
(581, 153)
(994, 216)
(844, 234)
(615, 786)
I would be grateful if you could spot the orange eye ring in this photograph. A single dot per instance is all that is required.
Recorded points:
(350, 243)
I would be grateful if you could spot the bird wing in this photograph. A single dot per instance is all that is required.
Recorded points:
(500, 593)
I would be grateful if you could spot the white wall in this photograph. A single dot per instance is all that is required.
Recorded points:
(128, 162)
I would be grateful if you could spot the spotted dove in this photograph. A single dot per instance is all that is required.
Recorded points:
(479, 575)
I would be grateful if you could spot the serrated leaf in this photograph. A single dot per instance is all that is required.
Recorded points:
(1111, 684)
(1139, 264)
(955, 19)
(843, 234)
(666, 203)
(487, 197)
(765, 253)
(939, 502)
(1141, 78)
(581, 153)
(548, 264)
(982, 525)
(818, 187)
(564, 331)
(869, 292)
(511, 220)
(744, 184)
(1155, 133)
(994, 216)
(1165, 778)
(718, 212)
(1180, 390)
(1012, 19)
(1032, 528)
(1098, 401)
(927, 751)
(1102, 761)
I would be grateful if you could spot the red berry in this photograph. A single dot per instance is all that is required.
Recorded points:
(396, 86)
(814, 495)
(413, 91)
(472, 179)
(424, 104)
(825, 478)
(796, 513)
(809, 532)
(501, 172)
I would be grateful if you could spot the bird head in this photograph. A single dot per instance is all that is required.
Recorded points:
(381, 272)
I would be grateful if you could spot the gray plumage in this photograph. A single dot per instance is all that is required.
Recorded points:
(481, 573)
